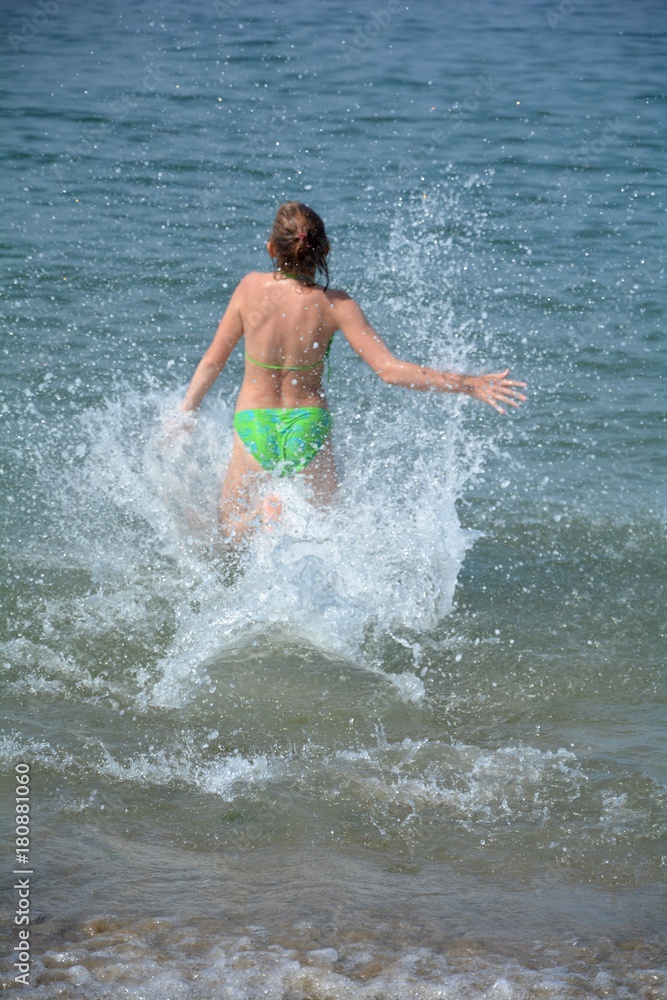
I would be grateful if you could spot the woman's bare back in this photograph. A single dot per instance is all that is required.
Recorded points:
(287, 324)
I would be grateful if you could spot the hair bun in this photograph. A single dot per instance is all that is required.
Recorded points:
(300, 239)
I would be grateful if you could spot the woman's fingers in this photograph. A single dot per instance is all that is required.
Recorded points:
(511, 394)
(496, 388)
(508, 388)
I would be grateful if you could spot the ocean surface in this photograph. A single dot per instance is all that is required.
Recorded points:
(415, 747)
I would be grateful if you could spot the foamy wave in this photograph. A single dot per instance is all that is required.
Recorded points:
(14, 749)
(453, 782)
(224, 778)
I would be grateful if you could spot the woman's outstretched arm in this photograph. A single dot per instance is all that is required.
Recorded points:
(227, 336)
(493, 388)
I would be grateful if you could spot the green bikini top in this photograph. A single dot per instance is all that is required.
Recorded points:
(292, 368)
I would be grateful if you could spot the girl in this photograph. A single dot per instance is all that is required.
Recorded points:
(288, 319)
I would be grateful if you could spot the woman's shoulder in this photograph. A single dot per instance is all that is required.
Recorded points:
(252, 277)
(336, 294)
(337, 297)
(250, 283)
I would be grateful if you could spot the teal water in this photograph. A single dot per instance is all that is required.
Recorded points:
(415, 748)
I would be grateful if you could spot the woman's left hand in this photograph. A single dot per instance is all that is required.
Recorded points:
(496, 389)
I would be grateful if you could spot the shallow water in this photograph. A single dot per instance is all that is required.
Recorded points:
(415, 747)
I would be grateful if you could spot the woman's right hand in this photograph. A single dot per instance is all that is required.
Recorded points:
(176, 426)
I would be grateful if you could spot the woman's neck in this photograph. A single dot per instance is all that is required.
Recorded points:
(298, 276)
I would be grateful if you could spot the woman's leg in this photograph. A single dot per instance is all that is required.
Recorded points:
(320, 473)
(243, 500)
(241, 495)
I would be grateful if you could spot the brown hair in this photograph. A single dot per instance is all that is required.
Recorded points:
(300, 239)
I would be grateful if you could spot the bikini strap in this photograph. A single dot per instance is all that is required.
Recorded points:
(295, 368)
(283, 368)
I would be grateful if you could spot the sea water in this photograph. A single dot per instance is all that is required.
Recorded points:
(413, 746)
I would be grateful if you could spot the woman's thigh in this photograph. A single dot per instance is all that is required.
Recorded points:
(243, 480)
(320, 473)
